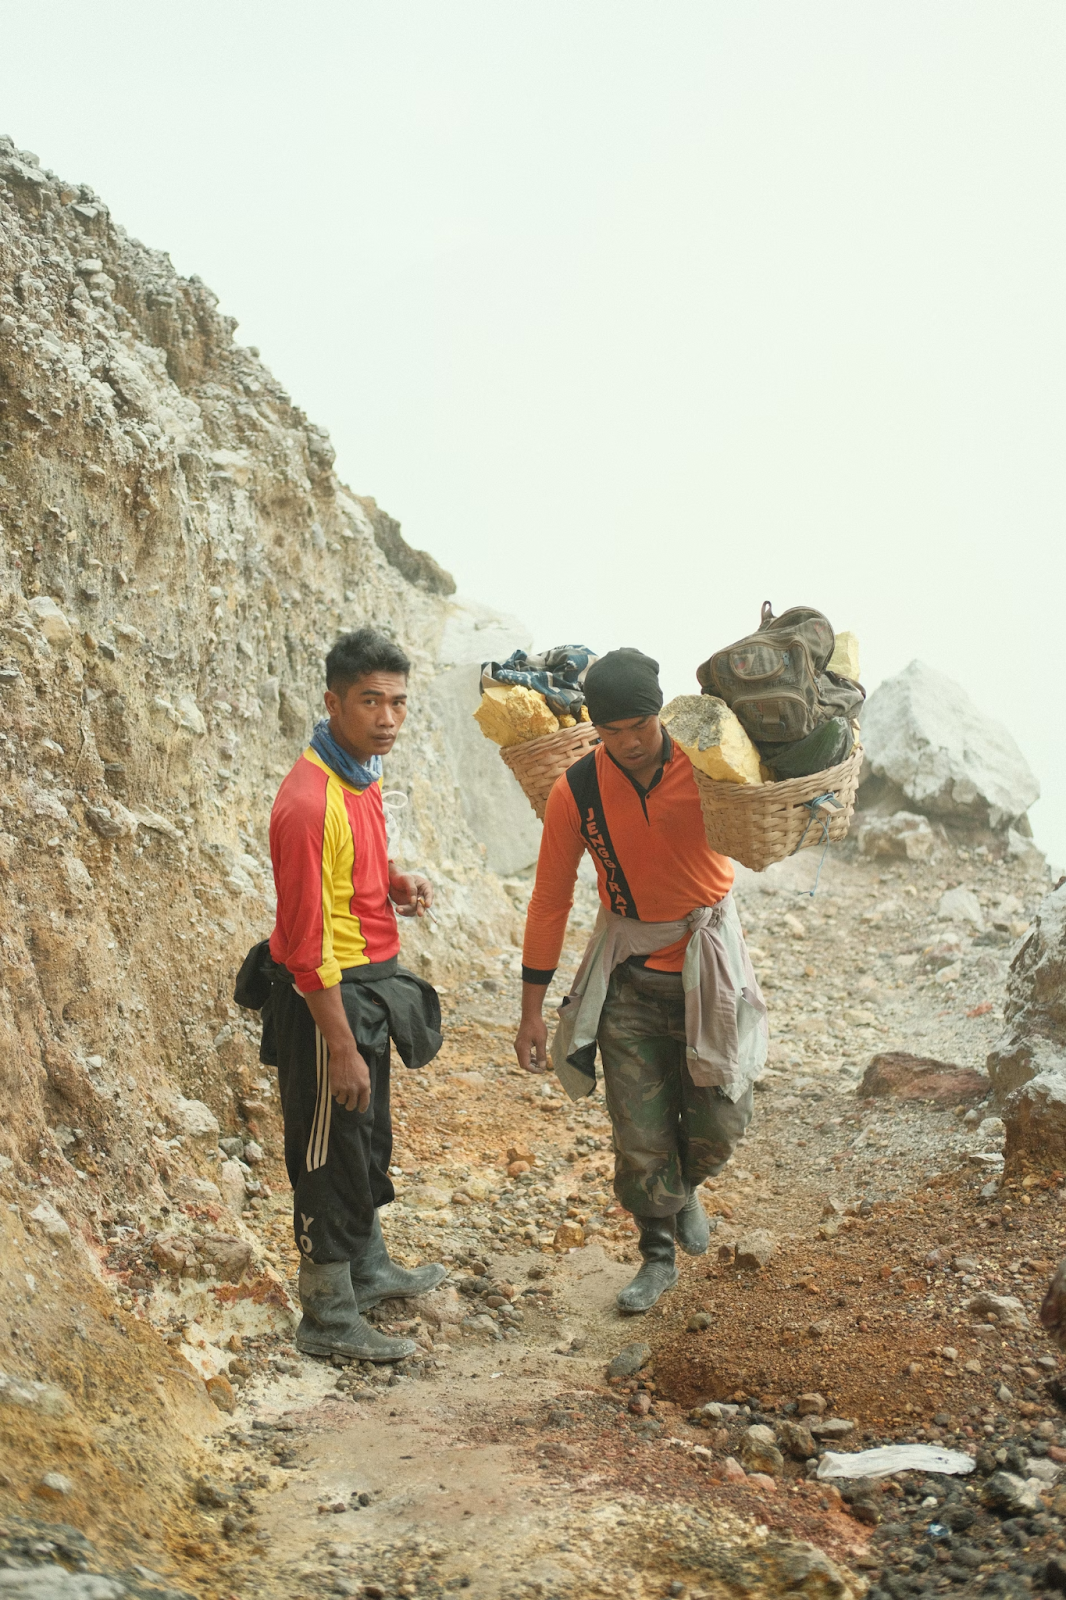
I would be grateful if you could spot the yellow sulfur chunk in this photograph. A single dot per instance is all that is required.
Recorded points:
(712, 738)
(511, 714)
(845, 657)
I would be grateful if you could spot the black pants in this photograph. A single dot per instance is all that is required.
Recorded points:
(337, 1160)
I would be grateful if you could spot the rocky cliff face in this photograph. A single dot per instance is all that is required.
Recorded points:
(176, 556)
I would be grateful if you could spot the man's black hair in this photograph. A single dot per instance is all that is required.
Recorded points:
(357, 654)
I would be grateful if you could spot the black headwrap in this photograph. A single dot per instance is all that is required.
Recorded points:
(623, 683)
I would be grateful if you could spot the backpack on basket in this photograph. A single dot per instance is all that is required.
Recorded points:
(777, 681)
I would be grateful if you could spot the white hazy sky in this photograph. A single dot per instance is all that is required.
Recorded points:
(636, 314)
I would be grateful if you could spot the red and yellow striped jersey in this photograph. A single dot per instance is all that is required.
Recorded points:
(331, 875)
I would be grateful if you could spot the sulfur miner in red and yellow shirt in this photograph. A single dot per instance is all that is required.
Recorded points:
(336, 996)
(665, 992)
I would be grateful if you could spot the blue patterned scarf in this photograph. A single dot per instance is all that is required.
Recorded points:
(339, 761)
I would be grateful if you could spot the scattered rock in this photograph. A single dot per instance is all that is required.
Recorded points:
(810, 1405)
(427, 1197)
(944, 953)
(196, 1121)
(442, 1307)
(908, 1077)
(754, 1251)
(905, 835)
(1006, 1309)
(629, 1360)
(50, 1222)
(732, 1471)
(230, 1257)
(832, 1428)
(208, 1492)
(481, 1323)
(640, 1403)
(569, 1236)
(1005, 1492)
(55, 1486)
(47, 1398)
(759, 1453)
(960, 905)
(797, 1440)
(698, 1322)
(231, 1185)
(222, 1393)
(112, 821)
(51, 621)
(928, 744)
(200, 1191)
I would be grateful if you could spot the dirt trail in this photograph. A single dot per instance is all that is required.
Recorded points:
(503, 1462)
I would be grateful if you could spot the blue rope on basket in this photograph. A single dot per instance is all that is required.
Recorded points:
(813, 806)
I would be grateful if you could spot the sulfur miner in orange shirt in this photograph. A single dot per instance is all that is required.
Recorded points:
(665, 993)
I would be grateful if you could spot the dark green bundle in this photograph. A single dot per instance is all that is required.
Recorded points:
(827, 746)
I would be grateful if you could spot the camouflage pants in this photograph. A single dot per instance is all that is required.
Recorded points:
(668, 1134)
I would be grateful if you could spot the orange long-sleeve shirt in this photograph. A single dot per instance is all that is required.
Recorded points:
(651, 854)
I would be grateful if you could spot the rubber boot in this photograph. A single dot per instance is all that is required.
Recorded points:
(658, 1272)
(375, 1277)
(331, 1324)
(691, 1227)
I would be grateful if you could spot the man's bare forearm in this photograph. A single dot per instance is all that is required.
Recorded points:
(327, 1008)
(349, 1075)
(533, 1000)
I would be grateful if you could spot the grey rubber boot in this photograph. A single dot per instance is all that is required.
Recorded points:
(331, 1324)
(691, 1227)
(658, 1272)
(376, 1277)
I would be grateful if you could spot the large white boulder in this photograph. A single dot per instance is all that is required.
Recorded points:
(923, 734)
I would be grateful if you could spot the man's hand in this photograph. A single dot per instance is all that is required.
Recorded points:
(349, 1075)
(410, 893)
(531, 1040)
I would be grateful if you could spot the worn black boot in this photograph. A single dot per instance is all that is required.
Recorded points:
(376, 1277)
(331, 1324)
(691, 1227)
(658, 1272)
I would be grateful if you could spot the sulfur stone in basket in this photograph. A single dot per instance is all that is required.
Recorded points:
(512, 714)
(712, 738)
(845, 657)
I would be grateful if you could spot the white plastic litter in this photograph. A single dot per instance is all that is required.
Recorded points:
(890, 1458)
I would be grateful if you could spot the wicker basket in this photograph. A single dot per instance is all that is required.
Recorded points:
(537, 763)
(758, 823)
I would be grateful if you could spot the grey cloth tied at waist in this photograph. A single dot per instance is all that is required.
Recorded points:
(725, 1013)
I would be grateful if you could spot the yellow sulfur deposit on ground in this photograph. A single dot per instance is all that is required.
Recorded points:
(712, 738)
(511, 714)
(845, 657)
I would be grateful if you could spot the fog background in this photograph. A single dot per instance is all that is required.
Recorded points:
(636, 314)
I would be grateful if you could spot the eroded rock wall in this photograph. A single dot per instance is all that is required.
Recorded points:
(176, 557)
